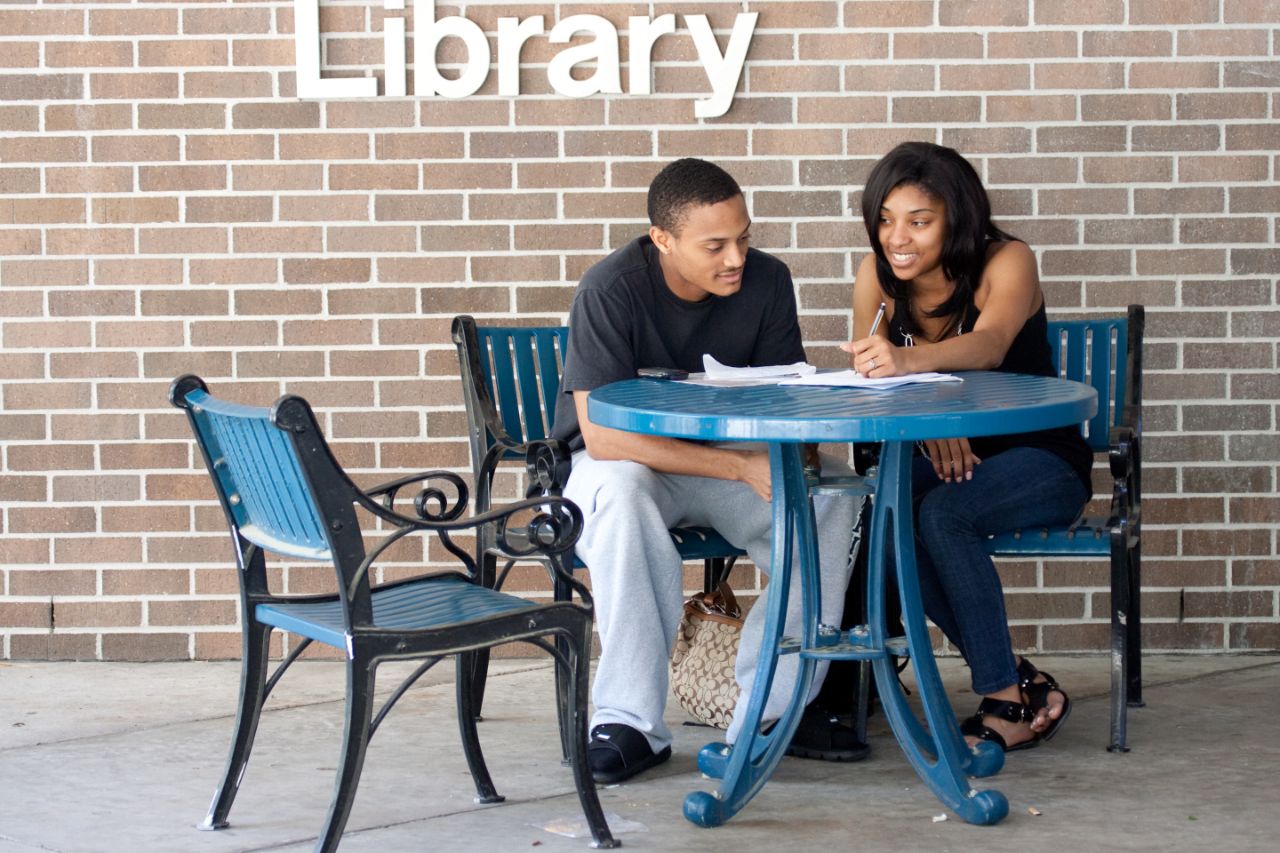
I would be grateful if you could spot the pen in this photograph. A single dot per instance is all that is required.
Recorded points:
(875, 324)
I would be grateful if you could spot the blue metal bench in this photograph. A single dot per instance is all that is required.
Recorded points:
(283, 492)
(1107, 354)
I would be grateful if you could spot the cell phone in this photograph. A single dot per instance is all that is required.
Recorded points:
(662, 373)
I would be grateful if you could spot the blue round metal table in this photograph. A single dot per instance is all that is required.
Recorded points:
(985, 403)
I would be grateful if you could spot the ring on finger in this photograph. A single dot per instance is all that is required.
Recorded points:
(871, 365)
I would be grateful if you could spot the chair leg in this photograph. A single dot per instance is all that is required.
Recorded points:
(1120, 614)
(466, 672)
(1135, 626)
(564, 699)
(253, 680)
(564, 679)
(355, 740)
(488, 564)
(573, 728)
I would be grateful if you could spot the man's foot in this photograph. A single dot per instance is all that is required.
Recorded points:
(618, 752)
(821, 735)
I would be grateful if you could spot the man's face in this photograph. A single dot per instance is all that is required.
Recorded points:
(706, 256)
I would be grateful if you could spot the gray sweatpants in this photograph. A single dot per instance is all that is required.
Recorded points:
(636, 579)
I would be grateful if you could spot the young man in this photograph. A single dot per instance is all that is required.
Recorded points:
(692, 286)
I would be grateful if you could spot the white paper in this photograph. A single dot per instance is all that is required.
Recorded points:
(716, 370)
(576, 825)
(853, 379)
(704, 379)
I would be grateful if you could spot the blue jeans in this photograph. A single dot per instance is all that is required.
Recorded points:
(1019, 488)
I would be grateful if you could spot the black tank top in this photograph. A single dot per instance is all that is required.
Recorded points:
(1029, 353)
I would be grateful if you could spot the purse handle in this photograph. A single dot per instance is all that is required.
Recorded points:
(720, 602)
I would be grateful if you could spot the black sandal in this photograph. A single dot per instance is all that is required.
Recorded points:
(1013, 712)
(617, 752)
(1037, 696)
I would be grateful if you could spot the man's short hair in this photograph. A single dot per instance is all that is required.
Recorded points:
(686, 183)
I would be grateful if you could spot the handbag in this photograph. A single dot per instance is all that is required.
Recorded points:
(706, 650)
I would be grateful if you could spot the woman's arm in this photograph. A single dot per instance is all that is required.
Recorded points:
(1009, 293)
(867, 297)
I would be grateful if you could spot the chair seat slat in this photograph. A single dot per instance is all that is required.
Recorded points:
(428, 603)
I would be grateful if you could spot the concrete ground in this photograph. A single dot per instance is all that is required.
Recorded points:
(124, 757)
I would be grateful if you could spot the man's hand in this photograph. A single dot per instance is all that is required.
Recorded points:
(755, 473)
(952, 458)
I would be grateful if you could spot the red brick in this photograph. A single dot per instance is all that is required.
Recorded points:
(1173, 75)
(326, 270)
(215, 21)
(228, 84)
(26, 614)
(84, 241)
(40, 22)
(168, 241)
(407, 207)
(42, 87)
(89, 179)
(1079, 75)
(235, 208)
(88, 54)
(278, 177)
(42, 149)
(1090, 12)
(270, 240)
(184, 53)
(130, 22)
(132, 85)
(1222, 42)
(145, 647)
(241, 146)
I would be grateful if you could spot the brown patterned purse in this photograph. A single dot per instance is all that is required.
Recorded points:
(706, 650)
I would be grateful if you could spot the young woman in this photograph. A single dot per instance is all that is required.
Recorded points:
(960, 294)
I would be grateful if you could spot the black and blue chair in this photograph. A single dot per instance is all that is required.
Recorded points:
(510, 384)
(284, 494)
(1107, 354)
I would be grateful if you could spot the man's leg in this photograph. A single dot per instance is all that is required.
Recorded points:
(636, 584)
(746, 520)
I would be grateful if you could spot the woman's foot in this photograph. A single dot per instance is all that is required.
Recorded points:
(1020, 716)
(1002, 718)
(1049, 701)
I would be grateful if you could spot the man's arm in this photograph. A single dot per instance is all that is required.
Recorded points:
(673, 456)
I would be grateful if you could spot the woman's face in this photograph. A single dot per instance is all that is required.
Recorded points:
(913, 229)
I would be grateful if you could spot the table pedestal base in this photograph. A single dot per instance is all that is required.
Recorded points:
(937, 752)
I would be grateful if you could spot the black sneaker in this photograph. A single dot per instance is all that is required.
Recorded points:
(821, 735)
(618, 752)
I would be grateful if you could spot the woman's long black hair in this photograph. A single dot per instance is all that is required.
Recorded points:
(942, 174)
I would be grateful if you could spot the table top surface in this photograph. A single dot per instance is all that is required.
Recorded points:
(985, 403)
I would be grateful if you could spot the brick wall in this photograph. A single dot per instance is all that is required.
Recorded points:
(167, 205)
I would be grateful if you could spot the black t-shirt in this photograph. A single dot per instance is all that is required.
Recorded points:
(624, 317)
(1029, 353)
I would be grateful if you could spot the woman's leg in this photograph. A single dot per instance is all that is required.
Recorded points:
(1023, 487)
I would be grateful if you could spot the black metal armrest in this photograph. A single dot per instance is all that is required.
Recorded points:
(389, 490)
(1122, 456)
(548, 462)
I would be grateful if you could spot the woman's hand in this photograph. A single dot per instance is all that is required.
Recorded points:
(876, 357)
(952, 458)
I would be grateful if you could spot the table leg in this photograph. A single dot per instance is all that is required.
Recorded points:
(745, 767)
(938, 754)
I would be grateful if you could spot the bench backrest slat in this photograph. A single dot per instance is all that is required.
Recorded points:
(1094, 352)
(259, 475)
(521, 368)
